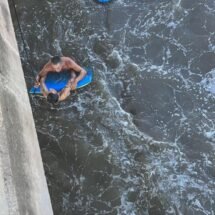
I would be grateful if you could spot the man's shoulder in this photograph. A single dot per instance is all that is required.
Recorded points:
(67, 60)
(48, 65)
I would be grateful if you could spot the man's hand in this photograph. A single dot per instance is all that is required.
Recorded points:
(37, 82)
(73, 85)
(72, 82)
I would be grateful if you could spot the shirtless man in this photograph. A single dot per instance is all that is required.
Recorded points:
(58, 64)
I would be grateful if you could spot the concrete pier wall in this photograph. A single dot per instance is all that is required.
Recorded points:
(23, 187)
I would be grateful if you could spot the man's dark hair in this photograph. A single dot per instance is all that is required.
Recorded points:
(55, 60)
(52, 98)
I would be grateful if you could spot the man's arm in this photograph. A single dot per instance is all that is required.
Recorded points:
(45, 70)
(43, 87)
(74, 66)
(65, 92)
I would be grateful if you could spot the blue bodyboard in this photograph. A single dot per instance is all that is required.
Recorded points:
(59, 80)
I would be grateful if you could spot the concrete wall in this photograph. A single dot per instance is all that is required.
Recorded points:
(23, 188)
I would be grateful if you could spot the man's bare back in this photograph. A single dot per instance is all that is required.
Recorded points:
(58, 64)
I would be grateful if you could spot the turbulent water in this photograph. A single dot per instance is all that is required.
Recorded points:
(141, 139)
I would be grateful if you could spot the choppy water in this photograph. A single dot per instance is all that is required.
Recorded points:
(141, 139)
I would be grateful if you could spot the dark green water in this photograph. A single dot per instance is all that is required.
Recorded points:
(140, 139)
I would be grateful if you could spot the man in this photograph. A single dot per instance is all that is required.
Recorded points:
(58, 64)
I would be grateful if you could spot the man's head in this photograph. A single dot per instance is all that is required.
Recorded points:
(53, 97)
(56, 63)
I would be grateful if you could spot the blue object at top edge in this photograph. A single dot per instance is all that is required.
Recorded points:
(58, 81)
(103, 1)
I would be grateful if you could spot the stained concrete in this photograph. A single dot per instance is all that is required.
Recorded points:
(23, 187)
